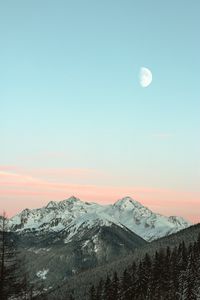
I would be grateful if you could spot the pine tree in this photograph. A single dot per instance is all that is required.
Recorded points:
(114, 287)
(189, 285)
(99, 290)
(126, 288)
(92, 293)
(107, 289)
(164, 270)
(156, 278)
(141, 287)
(198, 269)
(198, 242)
(147, 280)
(10, 284)
(133, 280)
(183, 258)
(12, 281)
(174, 275)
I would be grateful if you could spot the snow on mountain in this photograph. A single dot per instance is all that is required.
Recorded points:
(73, 215)
(143, 221)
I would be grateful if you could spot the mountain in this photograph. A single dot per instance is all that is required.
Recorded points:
(143, 221)
(73, 215)
(93, 276)
(66, 238)
(168, 273)
(59, 257)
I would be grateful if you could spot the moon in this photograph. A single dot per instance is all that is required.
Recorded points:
(145, 77)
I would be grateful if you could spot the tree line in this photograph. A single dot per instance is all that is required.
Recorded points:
(171, 274)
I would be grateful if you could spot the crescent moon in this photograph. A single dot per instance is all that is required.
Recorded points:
(145, 77)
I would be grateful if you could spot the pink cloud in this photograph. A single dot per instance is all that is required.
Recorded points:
(34, 189)
(7, 168)
(57, 174)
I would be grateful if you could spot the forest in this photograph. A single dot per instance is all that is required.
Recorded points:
(171, 273)
(168, 275)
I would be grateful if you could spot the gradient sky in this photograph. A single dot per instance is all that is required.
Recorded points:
(73, 117)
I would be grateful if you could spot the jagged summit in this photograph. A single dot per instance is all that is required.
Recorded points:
(69, 201)
(72, 199)
(52, 204)
(127, 202)
(72, 214)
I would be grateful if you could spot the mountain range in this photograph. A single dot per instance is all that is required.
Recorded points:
(63, 239)
(73, 216)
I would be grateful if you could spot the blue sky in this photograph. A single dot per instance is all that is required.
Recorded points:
(70, 96)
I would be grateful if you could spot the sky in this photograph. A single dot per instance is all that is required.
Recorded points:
(74, 119)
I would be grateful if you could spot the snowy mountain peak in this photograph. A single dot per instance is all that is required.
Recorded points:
(73, 199)
(69, 201)
(127, 203)
(72, 213)
(52, 204)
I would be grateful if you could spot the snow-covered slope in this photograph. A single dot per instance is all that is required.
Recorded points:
(72, 215)
(143, 221)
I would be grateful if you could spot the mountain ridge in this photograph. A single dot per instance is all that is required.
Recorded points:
(73, 213)
(65, 238)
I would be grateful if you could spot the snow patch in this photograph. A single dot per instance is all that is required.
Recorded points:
(42, 274)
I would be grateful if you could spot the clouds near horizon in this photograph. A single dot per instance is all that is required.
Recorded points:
(20, 188)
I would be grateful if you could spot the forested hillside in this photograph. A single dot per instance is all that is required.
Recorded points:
(86, 279)
(167, 268)
(169, 274)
